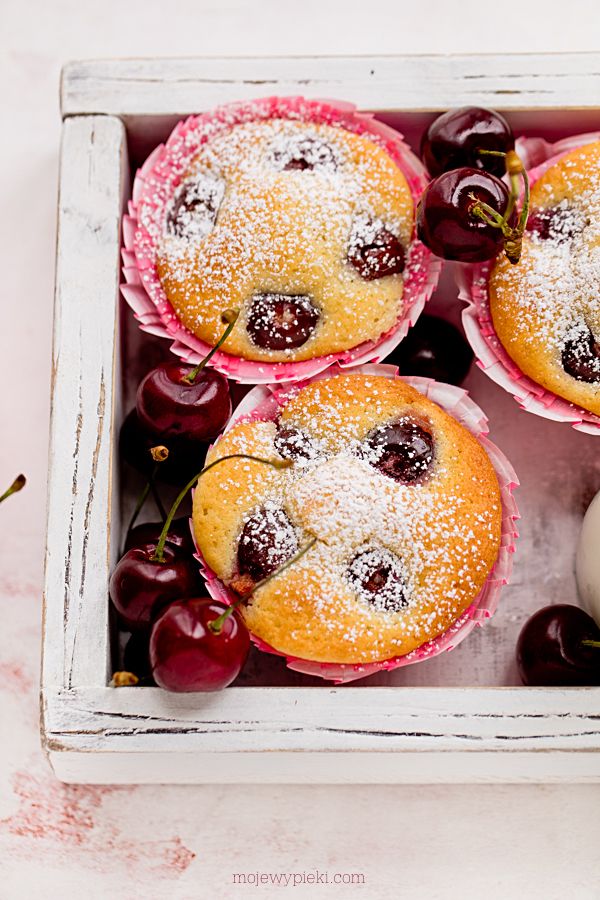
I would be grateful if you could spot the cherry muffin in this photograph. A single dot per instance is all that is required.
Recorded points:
(297, 213)
(404, 504)
(546, 309)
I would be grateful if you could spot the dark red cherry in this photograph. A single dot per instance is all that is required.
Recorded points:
(402, 450)
(580, 355)
(303, 153)
(557, 223)
(551, 649)
(140, 586)
(433, 348)
(169, 406)
(454, 140)
(136, 658)
(179, 534)
(195, 206)
(445, 219)
(374, 251)
(377, 575)
(293, 443)
(187, 655)
(267, 540)
(281, 321)
(184, 460)
(541, 222)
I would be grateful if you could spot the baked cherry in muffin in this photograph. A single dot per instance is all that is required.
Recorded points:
(404, 504)
(546, 310)
(304, 227)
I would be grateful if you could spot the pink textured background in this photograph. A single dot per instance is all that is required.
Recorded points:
(59, 843)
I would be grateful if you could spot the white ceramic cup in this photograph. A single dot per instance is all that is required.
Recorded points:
(587, 560)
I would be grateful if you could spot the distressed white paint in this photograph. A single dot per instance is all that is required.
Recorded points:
(85, 397)
(328, 719)
(325, 735)
(449, 719)
(166, 86)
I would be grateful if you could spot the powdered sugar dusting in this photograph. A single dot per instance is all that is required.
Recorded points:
(275, 206)
(437, 537)
(193, 211)
(349, 505)
(379, 577)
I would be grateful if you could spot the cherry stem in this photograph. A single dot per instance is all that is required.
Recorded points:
(17, 485)
(515, 190)
(124, 679)
(142, 497)
(229, 317)
(159, 504)
(217, 624)
(486, 213)
(590, 643)
(483, 152)
(159, 454)
(513, 236)
(158, 555)
(525, 208)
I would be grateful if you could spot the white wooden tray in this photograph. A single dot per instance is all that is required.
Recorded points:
(460, 717)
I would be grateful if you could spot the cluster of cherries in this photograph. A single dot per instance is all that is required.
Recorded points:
(180, 638)
(467, 213)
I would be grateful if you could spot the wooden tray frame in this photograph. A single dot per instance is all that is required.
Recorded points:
(93, 733)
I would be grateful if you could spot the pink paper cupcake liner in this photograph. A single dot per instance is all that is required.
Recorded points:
(264, 401)
(153, 188)
(533, 151)
(491, 356)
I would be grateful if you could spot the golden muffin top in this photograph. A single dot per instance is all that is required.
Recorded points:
(403, 501)
(305, 228)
